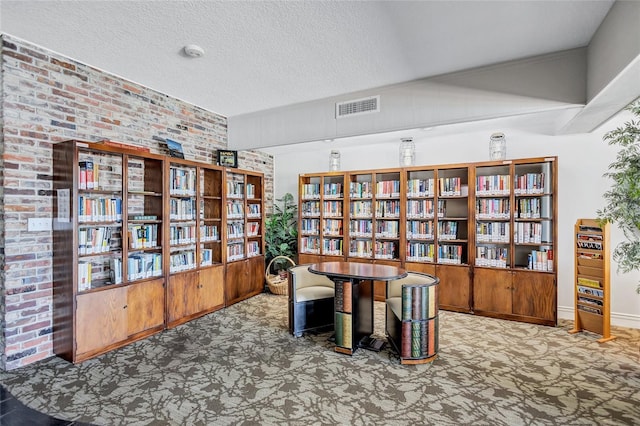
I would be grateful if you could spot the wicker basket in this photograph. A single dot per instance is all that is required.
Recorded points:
(276, 284)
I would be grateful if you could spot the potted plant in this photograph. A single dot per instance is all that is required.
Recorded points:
(281, 232)
(623, 199)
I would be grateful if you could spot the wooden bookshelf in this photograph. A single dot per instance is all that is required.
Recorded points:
(140, 244)
(196, 269)
(460, 223)
(243, 234)
(592, 279)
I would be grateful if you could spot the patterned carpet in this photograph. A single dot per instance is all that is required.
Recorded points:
(240, 366)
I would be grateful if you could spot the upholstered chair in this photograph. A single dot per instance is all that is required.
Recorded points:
(412, 317)
(311, 299)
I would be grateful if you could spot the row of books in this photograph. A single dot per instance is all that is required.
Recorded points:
(419, 338)
(182, 209)
(235, 209)
(387, 208)
(493, 232)
(144, 265)
(235, 189)
(424, 209)
(360, 190)
(182, 181)
(99, 209)
(89, 175)
(420, 229)
(420, 188)
(310, 245)
(529, 208)
(253, 229)
(253, 211)
(530, 183)
(182, 234)
(493, 185)
(386, 250)
(143, 236)
(235, 251)
(310, 209)
(494, 257)
(97, 240)
(187, 234)
(540, 260)
(332, 227)
(86, 273)
(361, 228)
(387, 228)
(447, 230)
(493, 208)
(450, 254)
(182, 261)
(528, 232)
(332, 208)
(452, 187)
(235, 230)
(332, 246)
(389, 188)
(420, 252)
(253, 249)
(209, 233)
(310, 226)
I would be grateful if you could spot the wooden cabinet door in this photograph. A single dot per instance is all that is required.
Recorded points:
(492, 290)
(455, 287)
(211, 290)
(182, 296)
(534, 296)
(244, 279)
(101, 319)
(145, 303)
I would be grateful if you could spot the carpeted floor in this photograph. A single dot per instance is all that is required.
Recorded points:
(240, 366)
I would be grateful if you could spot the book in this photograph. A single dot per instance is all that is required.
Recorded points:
(338, 329)
(415, 339)
(175, 148)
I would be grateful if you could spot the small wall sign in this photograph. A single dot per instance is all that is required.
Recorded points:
(227, 158)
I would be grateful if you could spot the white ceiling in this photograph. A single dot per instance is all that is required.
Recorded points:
(266, 54)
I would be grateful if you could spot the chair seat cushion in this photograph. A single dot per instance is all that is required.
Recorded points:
(314, 293)
(395, 303)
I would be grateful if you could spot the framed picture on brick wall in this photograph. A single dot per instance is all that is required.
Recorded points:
(227, 158)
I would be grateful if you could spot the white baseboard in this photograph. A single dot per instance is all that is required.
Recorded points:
(617, 319)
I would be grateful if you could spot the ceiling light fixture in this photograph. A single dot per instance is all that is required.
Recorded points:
(193, 51)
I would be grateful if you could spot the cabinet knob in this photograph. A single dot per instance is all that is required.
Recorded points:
(125, 306)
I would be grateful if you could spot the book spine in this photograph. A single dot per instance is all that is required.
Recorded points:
(424, 302)
(339, 297)
(406, 303)
(416, 300)
(424, 338)
(347, 334)
(405, 350)
(347, 296)
(415, 339)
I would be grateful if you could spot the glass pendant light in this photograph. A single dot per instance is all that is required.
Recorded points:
(407, 152)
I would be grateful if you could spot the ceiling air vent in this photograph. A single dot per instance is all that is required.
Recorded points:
(358, 106)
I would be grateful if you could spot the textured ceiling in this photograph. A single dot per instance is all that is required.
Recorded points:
(261, 55)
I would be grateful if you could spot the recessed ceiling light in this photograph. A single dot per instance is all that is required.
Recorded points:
(193, 51)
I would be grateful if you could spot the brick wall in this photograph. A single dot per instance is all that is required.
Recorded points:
(46, 98)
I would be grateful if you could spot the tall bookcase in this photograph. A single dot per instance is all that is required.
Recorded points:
(244, 242)
(592, 279)
(108, 248)
(196, 269)
(487, 230)
(141, 242)
(515, 266)
(321, 225)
